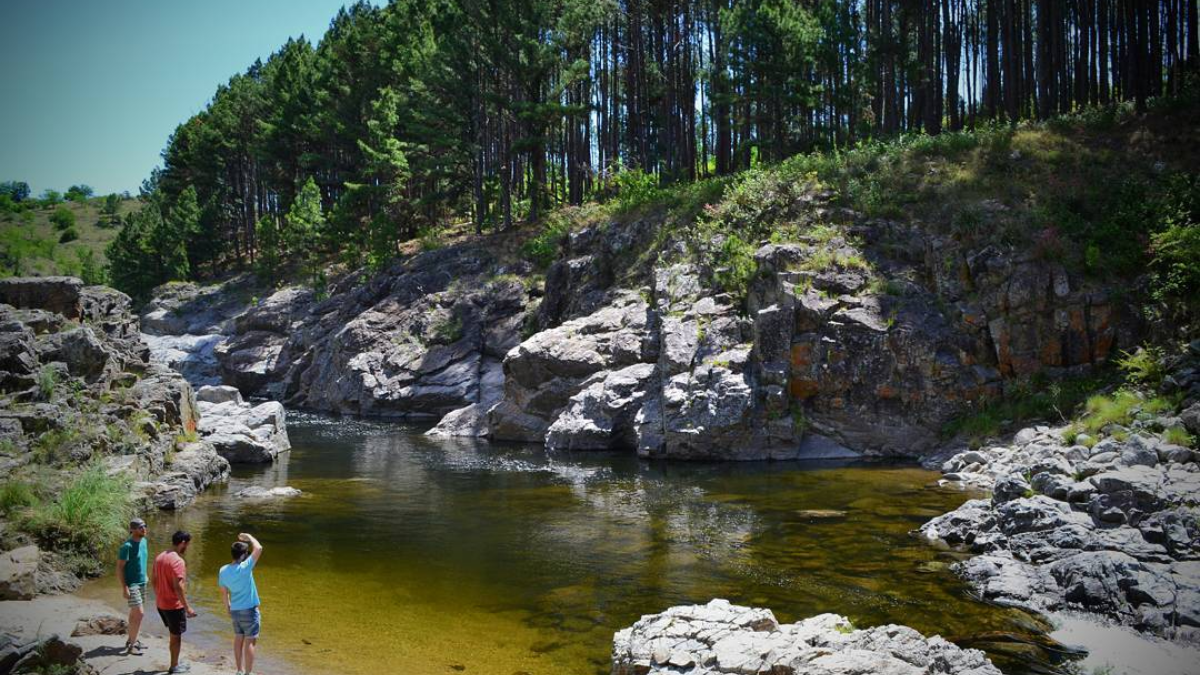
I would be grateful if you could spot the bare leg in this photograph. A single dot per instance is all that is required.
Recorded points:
(237, 651)
(135, 623)
(176, 642)
(248, 657)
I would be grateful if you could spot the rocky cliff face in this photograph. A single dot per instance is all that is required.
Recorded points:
(869, 337)
(76, 382)
(420, 340)
(860, 337)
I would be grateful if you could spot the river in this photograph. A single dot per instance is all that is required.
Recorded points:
(422, 556)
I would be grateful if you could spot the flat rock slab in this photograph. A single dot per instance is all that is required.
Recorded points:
(722, 638)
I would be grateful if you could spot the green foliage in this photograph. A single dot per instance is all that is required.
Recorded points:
(1143, 366)
(270, 242)
(112, 204)
(132, 259)
(79, 193)
(89, 270)
(1119, 409)
(542, 248)
(16, 495)
(430, 238)
(1178, 435)
(1024, 403)
(635, 188)
(16, 190)
(448, 330)
(63, 218)
(86, 517)
(305, 227)
(170, 238)
(734, 265)
(50, 198)
(47, 380)
(68, 235)
(1175, 262)
(19, 248)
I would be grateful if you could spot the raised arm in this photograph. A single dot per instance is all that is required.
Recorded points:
(255, 547)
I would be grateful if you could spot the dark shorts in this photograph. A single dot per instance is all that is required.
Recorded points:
(175, 620)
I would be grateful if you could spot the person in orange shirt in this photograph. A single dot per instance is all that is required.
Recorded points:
(170, 582)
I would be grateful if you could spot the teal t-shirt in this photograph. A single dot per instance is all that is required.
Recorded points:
(134, 554)
(239, 579)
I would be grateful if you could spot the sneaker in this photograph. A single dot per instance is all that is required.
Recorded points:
(181, 668)
(135, 648)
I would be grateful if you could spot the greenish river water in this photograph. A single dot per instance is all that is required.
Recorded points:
(407, 554)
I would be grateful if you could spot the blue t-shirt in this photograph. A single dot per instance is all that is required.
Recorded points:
(135, 555)
(239, 579)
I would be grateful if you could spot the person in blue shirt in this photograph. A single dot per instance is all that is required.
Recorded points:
(131, 570)
(241, 599)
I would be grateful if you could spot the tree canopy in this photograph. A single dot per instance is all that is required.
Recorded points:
(406, 115)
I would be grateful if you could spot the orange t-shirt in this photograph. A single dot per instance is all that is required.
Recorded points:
(168, 567)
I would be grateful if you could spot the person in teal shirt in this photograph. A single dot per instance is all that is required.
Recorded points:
(131, 570)
(241, 599)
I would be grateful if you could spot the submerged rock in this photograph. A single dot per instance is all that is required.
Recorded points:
(259, 492)
(723, 638)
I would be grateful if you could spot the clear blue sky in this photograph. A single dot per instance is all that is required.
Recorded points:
(91, 90)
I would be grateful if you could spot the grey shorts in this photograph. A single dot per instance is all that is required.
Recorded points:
(137, 595)
(246, 622)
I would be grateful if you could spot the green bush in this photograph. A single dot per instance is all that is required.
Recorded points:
(47, 379)
(88, 515)
(1143, 366)
(1175, 265)
(542, 248)
(68, 235)
(63, 218)
(635, 188)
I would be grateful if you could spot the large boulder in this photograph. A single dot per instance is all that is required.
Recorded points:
(244, 433)
(192, 469)
(59, 295)
(723, 638)
(601, 415)
(19, 573)
(545, 371)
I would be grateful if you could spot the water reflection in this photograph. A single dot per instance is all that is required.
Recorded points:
(431, 554)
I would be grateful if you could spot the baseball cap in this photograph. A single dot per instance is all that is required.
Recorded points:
(137, 522)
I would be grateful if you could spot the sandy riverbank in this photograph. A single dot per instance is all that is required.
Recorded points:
(60, 614)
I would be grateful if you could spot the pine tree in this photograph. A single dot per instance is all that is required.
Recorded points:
(305, 227)
(267, 262)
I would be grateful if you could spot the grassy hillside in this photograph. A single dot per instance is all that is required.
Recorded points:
(30, 242)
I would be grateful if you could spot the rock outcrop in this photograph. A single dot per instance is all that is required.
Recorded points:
(238, 431)
(19, 573)
(1111, 527)
(858, 337)
(77, 383)
(419, 340)
(723, 638)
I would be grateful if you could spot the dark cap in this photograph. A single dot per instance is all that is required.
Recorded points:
(137, 523)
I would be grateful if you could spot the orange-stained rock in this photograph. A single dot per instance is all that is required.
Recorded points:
(803, 388)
